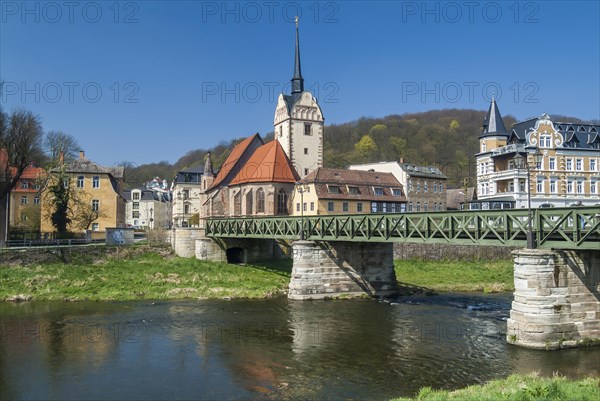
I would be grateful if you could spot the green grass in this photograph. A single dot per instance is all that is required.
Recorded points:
(518, 388)
(147, 275)
(446, 276)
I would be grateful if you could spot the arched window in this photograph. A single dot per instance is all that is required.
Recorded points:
(260, 200)
(249, 202)
(282, 202)
(237, 204)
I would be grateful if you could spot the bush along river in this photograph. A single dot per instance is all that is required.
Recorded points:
(265, 349)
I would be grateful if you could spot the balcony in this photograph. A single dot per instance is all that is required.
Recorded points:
(512, 148)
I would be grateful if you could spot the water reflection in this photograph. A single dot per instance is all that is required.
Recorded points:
(273, 349)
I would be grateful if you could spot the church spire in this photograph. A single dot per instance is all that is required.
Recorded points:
(493, 123)
(297, 80)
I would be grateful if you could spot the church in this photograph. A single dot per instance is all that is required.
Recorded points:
(258, 178)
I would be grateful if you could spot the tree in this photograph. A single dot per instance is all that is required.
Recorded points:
(20, 144)
(57, 143)
(366, 148)
(83, 211)
(58, 199)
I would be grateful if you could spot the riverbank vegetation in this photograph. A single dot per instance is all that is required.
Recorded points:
(141, 273)
(456, 276)
(518, 388)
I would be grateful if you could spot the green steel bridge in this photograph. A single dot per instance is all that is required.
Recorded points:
(554, 228)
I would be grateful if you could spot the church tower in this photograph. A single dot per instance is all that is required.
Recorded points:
(298, 123)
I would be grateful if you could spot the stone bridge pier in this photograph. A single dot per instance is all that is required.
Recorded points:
(556, 300)
(324, 270)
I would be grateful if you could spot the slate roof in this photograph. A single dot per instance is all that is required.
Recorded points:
(240, 153)
(365, 181)
(85, 165)
(493, 123)
(147, 195)
(575, 135)
(422, 171)
(268, 163)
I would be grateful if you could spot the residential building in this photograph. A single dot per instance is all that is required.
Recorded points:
(567, 172)
(24, 202)
(459, 198)
(95, 187)
(338, 191)
(147, 208)
(186, 194)
(425, 186)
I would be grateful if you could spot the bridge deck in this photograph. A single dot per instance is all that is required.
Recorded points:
(559, 228)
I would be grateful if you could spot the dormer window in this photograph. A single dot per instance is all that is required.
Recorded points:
(333, 189)
(378, 191)
(396, 192)
(353, 190)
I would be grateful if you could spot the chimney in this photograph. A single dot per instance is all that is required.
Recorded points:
(402, 160)
(81, 154)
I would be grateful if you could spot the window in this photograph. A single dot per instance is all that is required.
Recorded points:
(397, 192)
(312, 206)
(539, 186)
(237, 205)
(545, 141)
(332, 189)
(579, 164)
(96, 181)
(307, 129)
(353, 190)
(36, 200)
(95, 227)
(593, 165)
(345, 206)
(419, 186)
(552, 163)
(80, 180)
(66, 183)
(186, 193)
(23, 217)
(24, 184)
(330, 207)
(282, 199)
(359, 207)
(136, 196)
(425, 186)
(570, 186)
(260, 200)
(579, 187)
(410, 186)
(435, 187)
(305, 151)
(425, 206)
(593, 187)
(135, 214)
(280, 131)
(483, 146)
(553, 185)
(136, 205)
(305, 171)
(23, 200)
(410, 207)
(569, 164)
(378, 191)
(418, 206)
(95, 205)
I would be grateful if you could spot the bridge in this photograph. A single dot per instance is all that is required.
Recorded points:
(553, 228)
(557, 283)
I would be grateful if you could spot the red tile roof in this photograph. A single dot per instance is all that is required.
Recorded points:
(269, 163)
(237, 152)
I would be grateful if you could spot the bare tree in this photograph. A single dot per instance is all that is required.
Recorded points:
(57, 143)
(20, 144)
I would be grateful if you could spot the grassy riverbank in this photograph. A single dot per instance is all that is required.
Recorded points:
(141, 274)
(518, 388)
(459, 276)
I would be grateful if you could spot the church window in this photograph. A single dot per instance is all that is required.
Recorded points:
(282, 202)
(260, 200)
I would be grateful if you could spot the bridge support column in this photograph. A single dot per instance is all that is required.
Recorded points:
(209, 250)
(337, 269)
(556, 300)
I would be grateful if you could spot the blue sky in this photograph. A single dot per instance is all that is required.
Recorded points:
(145, 81)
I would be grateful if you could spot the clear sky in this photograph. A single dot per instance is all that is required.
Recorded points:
(145, 81)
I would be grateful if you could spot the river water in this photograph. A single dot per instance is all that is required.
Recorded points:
(265, 349)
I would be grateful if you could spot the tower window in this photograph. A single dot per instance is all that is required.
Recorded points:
(305, 151)
(307, 130)
(305, 171)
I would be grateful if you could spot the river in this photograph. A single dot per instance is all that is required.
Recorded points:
(264, 349)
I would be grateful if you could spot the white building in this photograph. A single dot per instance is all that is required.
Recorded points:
(147, 209)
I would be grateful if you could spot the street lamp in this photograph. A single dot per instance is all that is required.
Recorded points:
(520, 162)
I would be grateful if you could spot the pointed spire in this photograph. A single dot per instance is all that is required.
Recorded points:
(297, 80)
(208, 168)
(493, 123)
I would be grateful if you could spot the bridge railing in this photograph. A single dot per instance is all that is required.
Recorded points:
(565, 228)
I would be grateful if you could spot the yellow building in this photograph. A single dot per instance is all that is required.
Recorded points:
(337, 191)
(97, 190)
(556, 163)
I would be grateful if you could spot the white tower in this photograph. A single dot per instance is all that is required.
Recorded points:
(298, 123)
